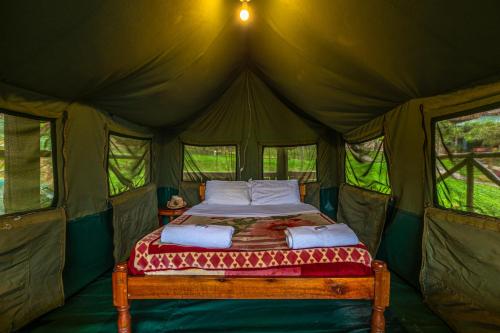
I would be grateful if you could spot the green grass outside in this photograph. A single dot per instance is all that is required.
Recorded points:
(486, 197)
(300, 159)
(213, 163)
(294, 165)
(486, 193)
(128, 169)
(478, 175)
(360, 174)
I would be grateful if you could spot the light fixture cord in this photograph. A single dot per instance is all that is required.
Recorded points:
(245, 146)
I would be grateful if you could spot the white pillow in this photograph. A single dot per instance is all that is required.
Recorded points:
(275, 192)
(227, 192)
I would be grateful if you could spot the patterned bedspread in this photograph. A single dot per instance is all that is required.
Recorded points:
(258, 249)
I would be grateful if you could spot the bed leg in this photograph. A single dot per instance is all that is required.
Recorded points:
(120, 298)
(381, 296)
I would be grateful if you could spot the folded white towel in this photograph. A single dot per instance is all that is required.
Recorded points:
(209, 236)
(305, 237)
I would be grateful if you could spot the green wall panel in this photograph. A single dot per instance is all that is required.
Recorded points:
(164, 194)
(401, 246)
(89, 250)
(89, 246)
(329, 200)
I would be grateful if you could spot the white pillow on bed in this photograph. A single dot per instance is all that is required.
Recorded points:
(275, 192)
(222, 192)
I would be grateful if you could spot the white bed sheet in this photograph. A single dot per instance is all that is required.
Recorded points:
(213, 210)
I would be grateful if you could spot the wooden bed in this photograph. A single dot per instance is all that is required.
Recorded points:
(127, 287)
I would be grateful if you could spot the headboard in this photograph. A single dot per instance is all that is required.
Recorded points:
(203, 186)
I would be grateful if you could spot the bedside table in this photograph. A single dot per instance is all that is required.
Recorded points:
(171, 213)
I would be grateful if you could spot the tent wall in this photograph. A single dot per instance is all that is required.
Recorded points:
(408, 144)
(250, 116)
(460, 250)
(460, 269)
(81, 138)
(403, 145)
(31, 264)
(85, 153)
(407, 131)
(87, 199)
(32, 246)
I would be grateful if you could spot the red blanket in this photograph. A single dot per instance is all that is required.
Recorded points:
(259, 249)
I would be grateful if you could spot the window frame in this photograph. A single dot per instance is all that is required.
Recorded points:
(55, 167)
(434, 121)
(236, 151)
(264, 146)
(128, 136)
(388, 165)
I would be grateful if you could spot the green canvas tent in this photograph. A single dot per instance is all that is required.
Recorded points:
(110, 107)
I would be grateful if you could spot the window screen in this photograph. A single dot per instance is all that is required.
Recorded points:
(298, 162)
(26, 164)
(202, 163)
(366, 166)
(129, 163)
(467, 163)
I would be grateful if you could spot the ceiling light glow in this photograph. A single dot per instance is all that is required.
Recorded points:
(244, 12)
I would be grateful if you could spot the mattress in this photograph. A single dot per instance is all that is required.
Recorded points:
(258, 249)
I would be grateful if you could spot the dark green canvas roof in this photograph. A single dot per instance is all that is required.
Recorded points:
(158, 63)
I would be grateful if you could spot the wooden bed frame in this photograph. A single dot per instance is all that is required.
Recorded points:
(128, 287)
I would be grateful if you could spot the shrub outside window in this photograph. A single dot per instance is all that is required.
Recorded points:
(291, 162)
(202, 163)
(27, 163)
(467, 162)
(129, 163)
(366, 166)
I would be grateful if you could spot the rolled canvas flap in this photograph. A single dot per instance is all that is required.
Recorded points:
(32, 248)
(365, 212)
(189, 191)
(461, 269)
(134, 216)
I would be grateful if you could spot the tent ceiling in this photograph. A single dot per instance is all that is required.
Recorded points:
(160, 62)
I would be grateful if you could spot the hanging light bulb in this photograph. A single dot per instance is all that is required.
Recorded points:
(244, 13)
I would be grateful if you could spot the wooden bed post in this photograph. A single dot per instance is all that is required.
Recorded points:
(201, 191)
(381, 296)
(120, 298)
(302, 191)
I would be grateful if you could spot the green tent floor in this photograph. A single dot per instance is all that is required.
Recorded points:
(91, 310)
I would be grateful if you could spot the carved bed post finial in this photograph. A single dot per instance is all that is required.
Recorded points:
(381, 296)
(120, 297)
(201, 191)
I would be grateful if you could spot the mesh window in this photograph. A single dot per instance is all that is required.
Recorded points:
(467, 163)
(26, 164)
(202, 163)
(298, 162)
(366, 166)
(129, 163)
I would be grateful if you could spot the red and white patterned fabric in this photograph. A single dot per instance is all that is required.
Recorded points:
(259, 248)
